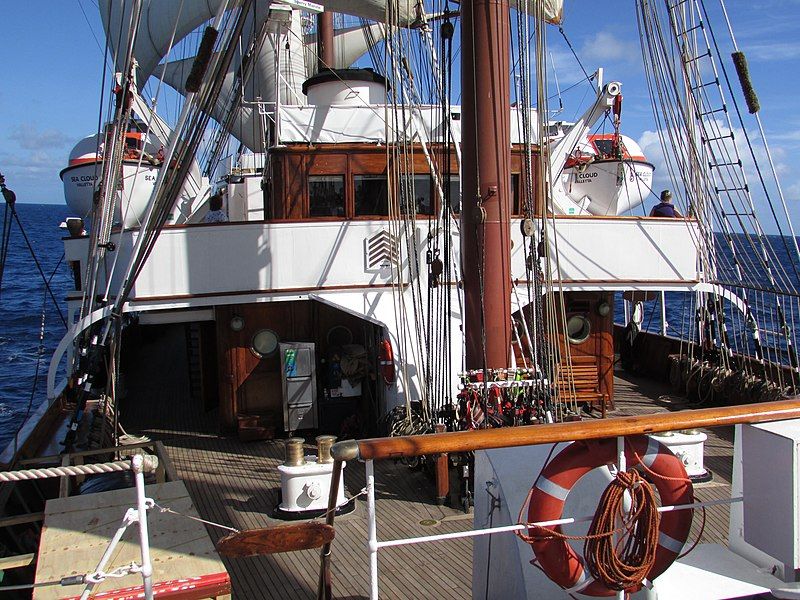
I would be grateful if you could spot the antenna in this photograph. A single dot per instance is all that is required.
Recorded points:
(558, 88)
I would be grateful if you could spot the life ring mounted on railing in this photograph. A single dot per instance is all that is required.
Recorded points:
(546, 501)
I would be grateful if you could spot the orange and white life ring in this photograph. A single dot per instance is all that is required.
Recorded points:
(386, 361)
(546, 502)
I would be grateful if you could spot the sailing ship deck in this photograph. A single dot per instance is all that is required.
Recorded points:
(237, 484)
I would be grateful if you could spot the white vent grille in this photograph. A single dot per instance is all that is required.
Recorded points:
(380, 251)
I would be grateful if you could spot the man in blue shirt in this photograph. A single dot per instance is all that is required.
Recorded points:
(215, 213)
(665, 208)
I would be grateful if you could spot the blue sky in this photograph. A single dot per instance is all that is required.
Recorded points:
(52, 60)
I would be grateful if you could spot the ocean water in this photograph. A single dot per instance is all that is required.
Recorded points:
(770, 311)
(23, 302)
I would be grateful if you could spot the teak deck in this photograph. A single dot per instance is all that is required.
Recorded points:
(237, 484)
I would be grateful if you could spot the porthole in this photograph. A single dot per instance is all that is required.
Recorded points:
(264, 343)
(578, 329)
(339, 335)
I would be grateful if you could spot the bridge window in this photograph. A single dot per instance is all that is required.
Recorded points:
(326, 195)
(417, 193)
(455, 194)
(371, 195)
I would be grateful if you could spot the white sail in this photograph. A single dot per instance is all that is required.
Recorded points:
(246, 125)
(349, 44)
(165, 22)
(161, 22)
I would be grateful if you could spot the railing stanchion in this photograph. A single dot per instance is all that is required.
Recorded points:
(622, 466)
(372, 531)
(144, 539)
(325, 586)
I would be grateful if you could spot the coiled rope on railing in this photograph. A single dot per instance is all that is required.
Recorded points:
(150, 464)
(622, 568)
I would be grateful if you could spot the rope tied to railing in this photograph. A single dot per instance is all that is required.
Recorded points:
(618, 563)
(623, 563)
(149, 464)
(165, 509)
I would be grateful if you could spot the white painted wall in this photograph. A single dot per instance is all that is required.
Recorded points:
(249, 257)
(207, 265)
(619, 249)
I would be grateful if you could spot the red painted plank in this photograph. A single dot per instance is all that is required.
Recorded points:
(188, 588)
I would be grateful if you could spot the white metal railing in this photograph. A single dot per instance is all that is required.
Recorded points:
(139, 464)
(374, 545)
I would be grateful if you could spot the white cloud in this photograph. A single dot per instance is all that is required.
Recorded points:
(771, 52)
(650, 142)
(605, 47)
(786, 136)
(29, 137)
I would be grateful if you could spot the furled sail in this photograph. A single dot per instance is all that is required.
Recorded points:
(161, 22)
(553, 11)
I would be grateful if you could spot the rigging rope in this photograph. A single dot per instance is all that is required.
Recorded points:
(712, 170)
(575, 54)
(11, 198)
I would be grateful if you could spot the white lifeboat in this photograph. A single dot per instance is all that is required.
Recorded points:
(608, 175)
(140, 166)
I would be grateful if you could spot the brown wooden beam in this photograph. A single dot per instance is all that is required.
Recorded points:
(21, 519)
(16, 562)
(507, 437)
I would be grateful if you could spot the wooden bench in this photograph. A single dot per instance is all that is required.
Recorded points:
(580, 382)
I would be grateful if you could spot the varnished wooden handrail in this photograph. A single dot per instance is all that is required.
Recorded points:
(507, 437)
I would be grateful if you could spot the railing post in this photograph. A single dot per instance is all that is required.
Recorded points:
(372, 533)
(442, 473)
(144, 540)
(622, 466)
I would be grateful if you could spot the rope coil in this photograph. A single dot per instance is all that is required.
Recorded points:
(623, 563)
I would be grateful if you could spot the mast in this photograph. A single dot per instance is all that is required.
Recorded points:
(486, 182)
(325, 58)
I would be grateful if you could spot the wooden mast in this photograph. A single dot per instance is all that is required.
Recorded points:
(486, 182)
(325, 58)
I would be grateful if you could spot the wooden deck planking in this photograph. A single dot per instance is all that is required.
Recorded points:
(77, 531)
(236, 484)
(636, 396)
